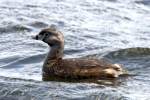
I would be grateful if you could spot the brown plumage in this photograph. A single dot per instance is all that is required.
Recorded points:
(55, 67)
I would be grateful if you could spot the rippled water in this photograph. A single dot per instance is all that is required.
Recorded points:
(112, 29)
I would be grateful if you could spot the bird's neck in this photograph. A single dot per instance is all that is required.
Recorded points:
(55, 53)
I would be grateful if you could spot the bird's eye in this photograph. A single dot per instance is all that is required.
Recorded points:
(46, 34)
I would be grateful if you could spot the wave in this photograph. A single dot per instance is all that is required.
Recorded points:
(145, 2)
(18, 63)
(37, 24)
(15, 28)
(129, 53)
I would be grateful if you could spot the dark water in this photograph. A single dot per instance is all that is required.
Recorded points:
(113, 29)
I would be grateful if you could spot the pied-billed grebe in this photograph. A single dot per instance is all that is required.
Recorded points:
(75, 68)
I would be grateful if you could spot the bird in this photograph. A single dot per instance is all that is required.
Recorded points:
(57, 67)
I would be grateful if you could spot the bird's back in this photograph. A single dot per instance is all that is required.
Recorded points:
(83, 68)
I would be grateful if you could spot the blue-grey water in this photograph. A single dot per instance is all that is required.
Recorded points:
(92, 28)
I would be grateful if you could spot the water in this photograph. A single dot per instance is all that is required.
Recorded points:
(94, 28)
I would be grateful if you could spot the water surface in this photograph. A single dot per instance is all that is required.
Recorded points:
(112, 29)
